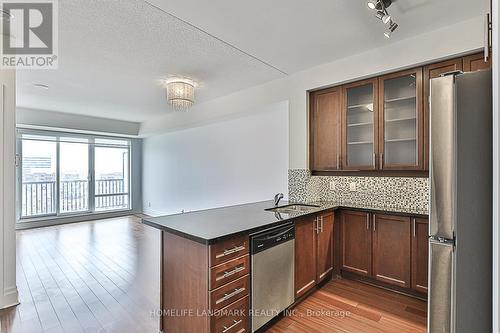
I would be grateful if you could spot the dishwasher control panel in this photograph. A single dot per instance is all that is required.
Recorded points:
(272, 237)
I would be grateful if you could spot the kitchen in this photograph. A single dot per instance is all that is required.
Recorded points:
(338, 180)
(269, 257)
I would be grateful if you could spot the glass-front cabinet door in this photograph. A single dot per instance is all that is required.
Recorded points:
(360, 126)
(401, 121)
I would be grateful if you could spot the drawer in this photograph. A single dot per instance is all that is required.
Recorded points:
(229, 293)
(232, 319)
(229, 271)
(228, 249)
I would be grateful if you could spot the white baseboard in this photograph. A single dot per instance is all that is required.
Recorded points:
(10, 298)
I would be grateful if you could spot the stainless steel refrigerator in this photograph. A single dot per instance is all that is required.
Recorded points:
(460, 221)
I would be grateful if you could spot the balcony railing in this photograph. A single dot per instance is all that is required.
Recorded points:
(39, 198)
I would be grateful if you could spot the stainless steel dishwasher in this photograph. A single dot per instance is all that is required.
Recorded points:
(273, 258)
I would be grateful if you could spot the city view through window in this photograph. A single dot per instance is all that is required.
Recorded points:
(72, 176)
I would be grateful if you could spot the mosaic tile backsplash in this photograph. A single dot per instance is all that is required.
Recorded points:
(410, 194)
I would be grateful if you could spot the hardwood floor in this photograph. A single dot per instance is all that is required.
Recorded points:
(103, 276)
(349, 306)
(100, 276)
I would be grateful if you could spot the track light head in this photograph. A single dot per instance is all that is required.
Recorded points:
(379, 14)
(386, 18)
(372, 4)
(392, 28)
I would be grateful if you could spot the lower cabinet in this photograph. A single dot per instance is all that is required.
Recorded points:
(356, 242)
(388, 248)
(305, 252)
(391, 249)
(420, 254)
(313, 251)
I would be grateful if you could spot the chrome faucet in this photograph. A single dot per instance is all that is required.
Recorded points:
(277, 198)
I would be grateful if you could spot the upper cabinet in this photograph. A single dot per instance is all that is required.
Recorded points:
(476, 62)
(401, 121)
(379, 125)
(325, 129)
(360, 117)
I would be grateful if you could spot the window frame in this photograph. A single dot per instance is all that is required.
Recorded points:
(91, 177)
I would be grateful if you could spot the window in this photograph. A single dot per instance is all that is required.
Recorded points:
(63, 174)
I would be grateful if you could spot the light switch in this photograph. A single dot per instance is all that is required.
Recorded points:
(353, 187)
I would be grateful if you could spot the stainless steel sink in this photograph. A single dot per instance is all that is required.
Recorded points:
(293, 208)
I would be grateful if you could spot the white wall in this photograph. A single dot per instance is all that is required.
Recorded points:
(454, 40)
(8, 289)
(230, 162)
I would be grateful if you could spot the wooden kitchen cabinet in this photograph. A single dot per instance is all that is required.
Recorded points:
(325, 128)
(359, 125)
(420, 254)
(324, 245)
(476, 62)
(392, 249)
(356, 242)
(430, 72)
(313, 251)
(382, 127)
(401, 142)
(305, 254)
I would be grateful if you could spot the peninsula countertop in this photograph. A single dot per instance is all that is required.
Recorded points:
(209, 226)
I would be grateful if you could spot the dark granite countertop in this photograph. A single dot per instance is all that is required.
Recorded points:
(209, 226)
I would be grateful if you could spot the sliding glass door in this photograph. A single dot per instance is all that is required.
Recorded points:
(73, 176)
(111, 175)
(39, 178)
(62, 174)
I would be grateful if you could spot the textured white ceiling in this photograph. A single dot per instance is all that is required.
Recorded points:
(113, 52)
(298, 34)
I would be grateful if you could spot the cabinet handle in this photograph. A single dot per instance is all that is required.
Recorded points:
(367, 222)
(236, 323)
(229, 273)
(414, 228)
(374, 223)
(338, 161)
(381, 160)
(230, 295)
(230, 251)
(374, 158)
(316, 224)
(321, 219)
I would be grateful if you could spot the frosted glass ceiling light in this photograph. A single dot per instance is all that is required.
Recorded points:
(180, 93)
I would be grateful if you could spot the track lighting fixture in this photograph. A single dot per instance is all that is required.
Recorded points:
(392, 27)
(381, 7)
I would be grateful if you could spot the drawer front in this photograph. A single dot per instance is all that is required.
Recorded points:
(229, 293)
(232, 319)
(228, 249)
(229, 271)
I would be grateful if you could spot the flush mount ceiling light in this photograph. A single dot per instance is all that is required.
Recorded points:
(180, 93)
(382, 14)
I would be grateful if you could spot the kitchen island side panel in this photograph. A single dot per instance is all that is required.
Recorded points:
(184, 285)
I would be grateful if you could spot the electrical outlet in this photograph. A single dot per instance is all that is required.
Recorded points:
(332, 185)
(353, 187)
